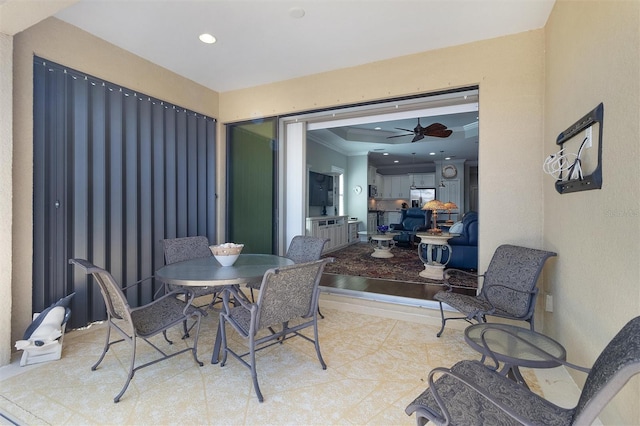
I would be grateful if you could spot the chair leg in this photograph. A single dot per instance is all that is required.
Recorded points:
(106, 347)
(316, 342)
(186, 329)
(131, 370)
(320, 313)
(254, 373)
(223, 342)
(444, 320)
(194, 350)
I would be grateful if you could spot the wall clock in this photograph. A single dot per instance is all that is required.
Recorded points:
(449, 171)
(357, 189)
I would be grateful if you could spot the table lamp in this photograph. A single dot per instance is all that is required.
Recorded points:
(434, 206)
(448, 206)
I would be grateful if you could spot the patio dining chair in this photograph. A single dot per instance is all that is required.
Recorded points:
(508, 288)
(187, 248)
(470, 393)
(302, 248)
(288, 294)
(143, 322)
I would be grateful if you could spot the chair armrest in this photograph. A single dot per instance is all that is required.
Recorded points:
(233, 290)
(534, 291)
(447, 275)
(187, 305)
(460, 271)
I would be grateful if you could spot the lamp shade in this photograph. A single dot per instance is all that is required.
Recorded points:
(434, 205)
(450, 205)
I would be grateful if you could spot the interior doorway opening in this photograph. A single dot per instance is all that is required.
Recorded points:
(375, 143)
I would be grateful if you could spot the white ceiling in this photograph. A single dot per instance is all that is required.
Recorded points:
(259, 41)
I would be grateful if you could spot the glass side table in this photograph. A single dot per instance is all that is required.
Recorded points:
(515, 347)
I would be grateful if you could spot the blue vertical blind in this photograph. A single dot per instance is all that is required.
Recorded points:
(115, 171)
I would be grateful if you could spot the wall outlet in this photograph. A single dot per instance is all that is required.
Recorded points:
(548, 303)
(588, 136)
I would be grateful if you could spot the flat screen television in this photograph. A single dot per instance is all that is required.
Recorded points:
(320, 189)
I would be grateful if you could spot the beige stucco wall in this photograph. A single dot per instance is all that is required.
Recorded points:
(62, 43)
(593, 56)
(6, 155)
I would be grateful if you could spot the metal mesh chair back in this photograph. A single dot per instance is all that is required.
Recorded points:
(511, 277)
(181, 249)
(114, 299)
(618, 362)
(305, 248)
(289, 292)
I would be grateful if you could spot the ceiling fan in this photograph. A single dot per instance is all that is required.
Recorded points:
(436, 130)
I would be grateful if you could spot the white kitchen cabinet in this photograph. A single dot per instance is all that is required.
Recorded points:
(450, 192)
(425, 180)
(372, 223)
(384, 187)
(396, 186)
(335, 228)
(380, 185)
(372, 176)
(353, 231)
(402, 187)
(393, 217)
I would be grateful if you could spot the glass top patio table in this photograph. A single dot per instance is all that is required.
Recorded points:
(515, 347)
(208, 272)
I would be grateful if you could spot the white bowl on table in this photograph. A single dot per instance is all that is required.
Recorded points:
(226, 254)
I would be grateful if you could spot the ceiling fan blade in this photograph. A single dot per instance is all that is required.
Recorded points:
(440, 133)
(417, 138)
(406, 130)
(399, 136)
(435, 127)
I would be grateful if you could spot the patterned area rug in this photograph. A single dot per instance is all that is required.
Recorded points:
(404, 266)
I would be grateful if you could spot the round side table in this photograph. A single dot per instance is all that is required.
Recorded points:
(381, 250)
(436, 246)
(515, 347)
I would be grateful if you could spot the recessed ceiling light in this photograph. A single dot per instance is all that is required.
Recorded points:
(207, 38)
(432, 153)
(377, 128)
(296, 12)
(386, 153)
(396, 161)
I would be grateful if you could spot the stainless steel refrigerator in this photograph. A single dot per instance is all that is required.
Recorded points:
(419, 196)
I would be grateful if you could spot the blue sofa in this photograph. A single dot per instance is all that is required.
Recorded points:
(414, 220)
(464, 247)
